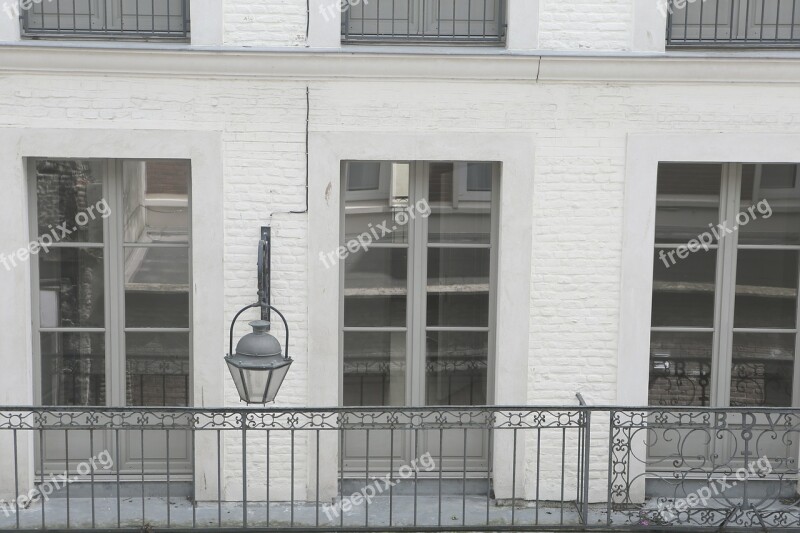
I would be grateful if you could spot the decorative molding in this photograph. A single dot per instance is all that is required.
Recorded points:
(399, 62)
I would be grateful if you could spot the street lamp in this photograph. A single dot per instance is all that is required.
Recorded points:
(259, 365)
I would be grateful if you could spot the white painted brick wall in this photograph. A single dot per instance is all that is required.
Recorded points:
(599, 25)
(586, 24)
(581, 133)
(264, 22)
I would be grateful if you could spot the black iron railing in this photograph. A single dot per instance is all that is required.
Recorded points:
(725, 23)
(106, 19)
(424, 21)
(400, 469)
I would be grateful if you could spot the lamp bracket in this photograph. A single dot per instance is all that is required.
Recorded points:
(264, 274)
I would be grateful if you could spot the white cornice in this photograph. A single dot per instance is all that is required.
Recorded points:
(394, 63)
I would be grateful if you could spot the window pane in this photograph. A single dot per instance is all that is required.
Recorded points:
(374, 368)
(376, 287)
(73, 369)
(156, 200)
(461, 201)
(680, 369)
(688, 200)
(770, 209)
(364, 176)
(458, 287)
(376, 201)
(69, 197)
(766, 289)
(71, 288)
(157, 369)
(157, 287)
(363, 310)
(763, 368)
(456, 368)
(683, 292)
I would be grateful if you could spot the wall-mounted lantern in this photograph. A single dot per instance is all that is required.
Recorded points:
(259, 365)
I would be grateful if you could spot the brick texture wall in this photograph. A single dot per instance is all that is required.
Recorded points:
(264, 23)
(577, 210)
(586, 24)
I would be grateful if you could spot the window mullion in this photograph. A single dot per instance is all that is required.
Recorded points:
(116, 297)
(726, 287)
(418, 257)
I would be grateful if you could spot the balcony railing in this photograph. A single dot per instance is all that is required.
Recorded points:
(105, 19)
(425, 21)
(400, 469)
(726, 23)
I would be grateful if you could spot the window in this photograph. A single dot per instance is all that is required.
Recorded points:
(418, 302)
(136, 19)
(455, 21)
(113, 301)
(725, 286)
(732, 22)
(112, 305)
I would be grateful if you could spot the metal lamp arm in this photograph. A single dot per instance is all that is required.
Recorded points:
(259, 304)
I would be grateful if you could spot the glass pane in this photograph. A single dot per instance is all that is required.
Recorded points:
(456, 368)
(460, 203)
(683, 292)
(688, 200)
(458, 287)
(73, 369)
(376, 288)
(763, 369)
(374, 311)
(376, 202)
(770, 209)
(69, 198)
(766, 289)
(680, 369)
(156, 200)
(157, 287)
(157, 369)
(374, 368)
(71, 288)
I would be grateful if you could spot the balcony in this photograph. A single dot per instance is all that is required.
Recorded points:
(394, 469)
(149, 20)
(465, 22)
(734, 23)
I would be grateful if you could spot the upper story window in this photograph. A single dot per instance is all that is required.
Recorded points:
(761, 23)
(126, 19)
(423, 21)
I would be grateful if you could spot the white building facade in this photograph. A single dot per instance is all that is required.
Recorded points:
(545, 151)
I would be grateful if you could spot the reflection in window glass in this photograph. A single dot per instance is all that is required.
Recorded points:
(456, 368)
(763, 369)
(156, 198)
(683, 293)
(73, 369)
(766, 289)
(65, 188)
(688, 200)
(374, 368)
(771, 201)
(680, 369)
(72, 288)
(157, 369)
